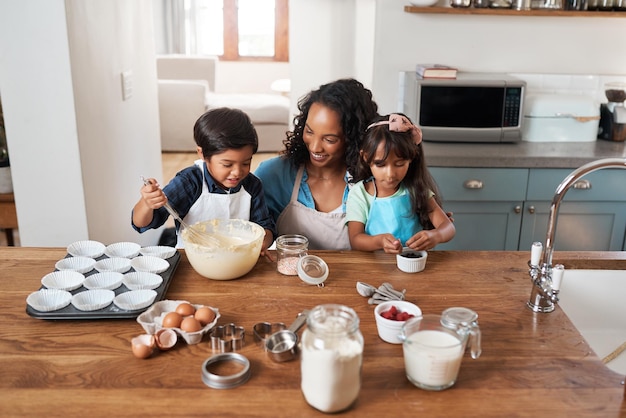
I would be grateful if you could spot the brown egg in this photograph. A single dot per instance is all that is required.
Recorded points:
(172, 320)
(185, 309)
(204, 315)
(143, 345)
(165, 338)
(190, 324)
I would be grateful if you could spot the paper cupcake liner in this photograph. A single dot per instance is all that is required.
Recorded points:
(138, 280)
(106, 280)
(92, 300)
(63, 280)
(161, 251)
(135, 299)
(86, 248)
(118, 264)
(79, 264)
(47, 300)
(122, 249)
(150, 264)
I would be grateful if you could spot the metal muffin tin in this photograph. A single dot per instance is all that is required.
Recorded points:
(111, 311)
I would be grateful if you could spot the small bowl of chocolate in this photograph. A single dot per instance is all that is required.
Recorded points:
(411, 261)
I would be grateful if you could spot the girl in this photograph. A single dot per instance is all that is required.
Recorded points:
(394, 203)
(219, 184)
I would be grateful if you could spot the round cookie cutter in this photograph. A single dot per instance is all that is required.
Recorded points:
(226, 381)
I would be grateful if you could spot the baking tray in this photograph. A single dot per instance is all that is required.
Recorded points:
(111, 311)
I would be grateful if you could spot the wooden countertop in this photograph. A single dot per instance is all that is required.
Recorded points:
(532, 364)
(521, 154)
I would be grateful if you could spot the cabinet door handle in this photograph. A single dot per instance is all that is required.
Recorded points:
(531, 209)
(473, 184)
(517, 209)
(582, 185)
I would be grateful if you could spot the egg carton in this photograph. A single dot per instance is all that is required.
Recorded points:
(152, 320)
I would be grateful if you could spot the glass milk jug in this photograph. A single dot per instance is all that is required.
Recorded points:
(331, 358)
(433, 346)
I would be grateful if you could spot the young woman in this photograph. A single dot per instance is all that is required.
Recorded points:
(395, 202)
(308, 184)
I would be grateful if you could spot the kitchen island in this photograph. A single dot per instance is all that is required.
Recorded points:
(534, 365)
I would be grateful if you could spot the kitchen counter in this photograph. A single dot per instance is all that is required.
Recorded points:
(520, 154)
(534, 365)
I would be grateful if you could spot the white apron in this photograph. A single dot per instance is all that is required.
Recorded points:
(216, 206)
(325, 231)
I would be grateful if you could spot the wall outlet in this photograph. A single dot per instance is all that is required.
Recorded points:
(127, 85)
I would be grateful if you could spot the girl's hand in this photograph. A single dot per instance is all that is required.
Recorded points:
(391, 245)
(152, 195)
(423, 240)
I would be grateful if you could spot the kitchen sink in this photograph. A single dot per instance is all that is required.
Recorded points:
(595, 302)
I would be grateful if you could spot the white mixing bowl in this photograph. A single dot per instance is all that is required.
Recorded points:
(241, 245)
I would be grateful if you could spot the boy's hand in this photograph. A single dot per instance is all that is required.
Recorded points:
(267, 241)
(152, 195)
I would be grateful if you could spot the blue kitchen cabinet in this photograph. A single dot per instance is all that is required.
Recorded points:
(592, 216)
(487, 205)
(507, 209)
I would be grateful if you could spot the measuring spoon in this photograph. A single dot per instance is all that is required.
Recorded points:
(283, 345)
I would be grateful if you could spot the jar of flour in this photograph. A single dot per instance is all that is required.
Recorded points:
(331, 358)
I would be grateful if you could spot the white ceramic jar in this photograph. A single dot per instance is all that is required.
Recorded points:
(331, 358)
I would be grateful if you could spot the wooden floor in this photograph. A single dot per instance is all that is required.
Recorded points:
(173, 162)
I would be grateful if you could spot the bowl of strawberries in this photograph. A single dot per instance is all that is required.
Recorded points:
(391, 315)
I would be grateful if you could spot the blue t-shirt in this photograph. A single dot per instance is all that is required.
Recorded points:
(279, 176)
(186, 187)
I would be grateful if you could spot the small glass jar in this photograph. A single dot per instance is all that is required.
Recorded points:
(331, 358)
(289, 249)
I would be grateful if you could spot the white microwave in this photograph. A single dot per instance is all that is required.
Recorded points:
(474, 107)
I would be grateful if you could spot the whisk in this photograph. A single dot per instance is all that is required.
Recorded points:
(196, 236)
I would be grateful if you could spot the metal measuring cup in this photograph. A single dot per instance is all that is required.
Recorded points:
(283, 345)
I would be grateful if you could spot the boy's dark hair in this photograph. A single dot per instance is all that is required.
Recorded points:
(222, 129)
(354, 105)
(418, 179)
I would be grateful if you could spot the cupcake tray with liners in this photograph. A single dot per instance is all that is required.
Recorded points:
(112, 311)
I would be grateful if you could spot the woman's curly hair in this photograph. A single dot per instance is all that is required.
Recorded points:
(354, 104)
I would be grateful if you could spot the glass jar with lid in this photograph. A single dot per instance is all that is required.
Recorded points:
(331, 358)
(289, 249)
(465, 322)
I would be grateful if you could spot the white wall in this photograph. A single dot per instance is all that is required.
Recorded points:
(321, 44)
(77, 149)
(323, 48)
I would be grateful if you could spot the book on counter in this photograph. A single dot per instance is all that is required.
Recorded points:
(435, 71)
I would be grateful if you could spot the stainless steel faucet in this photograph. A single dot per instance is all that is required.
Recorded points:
(545, 277)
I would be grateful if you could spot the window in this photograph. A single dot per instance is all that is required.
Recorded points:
(238, 29)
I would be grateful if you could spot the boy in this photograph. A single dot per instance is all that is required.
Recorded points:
(219, 185)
